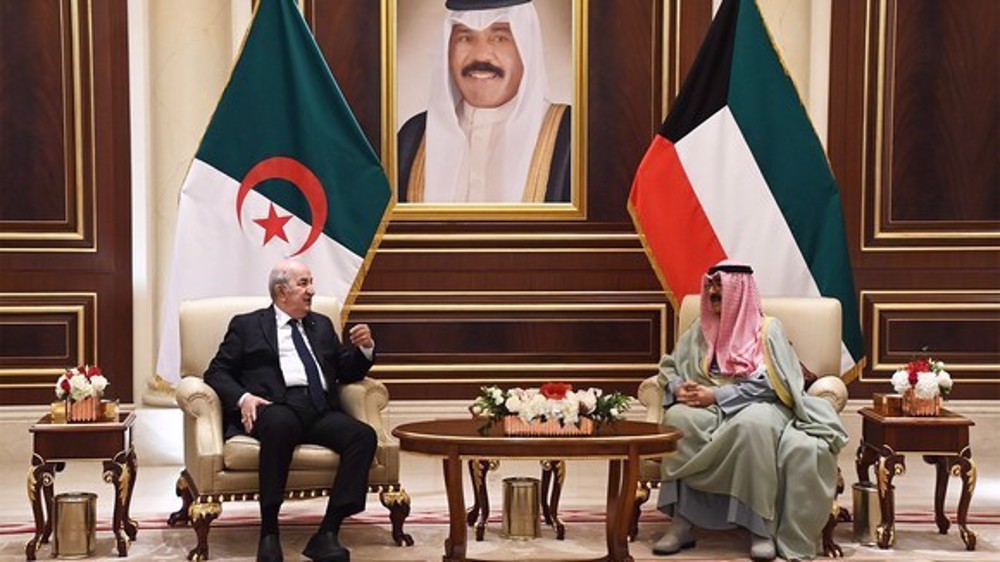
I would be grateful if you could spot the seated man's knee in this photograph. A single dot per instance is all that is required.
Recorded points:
(683, 416)
(366, 437)
(279, 422)
(762, 416)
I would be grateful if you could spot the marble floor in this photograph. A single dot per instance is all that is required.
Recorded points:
(234, 535)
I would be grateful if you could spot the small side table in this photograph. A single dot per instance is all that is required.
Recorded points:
(56, 443)
(944, 442)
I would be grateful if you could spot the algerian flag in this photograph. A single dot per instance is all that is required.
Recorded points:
(283, 170)
(738, 172)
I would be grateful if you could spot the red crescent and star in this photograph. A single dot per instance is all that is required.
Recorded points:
(299, 175)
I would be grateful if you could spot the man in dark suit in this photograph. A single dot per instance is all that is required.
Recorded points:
(278, 372)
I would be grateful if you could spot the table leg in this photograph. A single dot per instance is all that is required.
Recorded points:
(49, 496)
(940, 490)
(40, 479)
(611, 509)
(863, 459)
(966, 469)
(118, 472)
(890, 465)
(455, 544)
(479, 513)
(554, 470)
(622, 485)
(131, 526)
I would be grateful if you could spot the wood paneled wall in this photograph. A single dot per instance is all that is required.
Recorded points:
(913, 143)
(913, 137)
(65, 242)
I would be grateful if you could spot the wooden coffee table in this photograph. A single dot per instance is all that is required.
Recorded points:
(944, 442)
(622, 443)
(56, 443)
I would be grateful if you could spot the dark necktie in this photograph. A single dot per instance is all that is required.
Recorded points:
(312, 371)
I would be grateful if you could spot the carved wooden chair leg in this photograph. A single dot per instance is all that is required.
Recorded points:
(837, 514)
(641, 497)
(830, 548)
(184, 492)
(202, 514)
(842, 513)
(397, 501)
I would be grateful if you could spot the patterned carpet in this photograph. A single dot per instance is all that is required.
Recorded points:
(234, 536)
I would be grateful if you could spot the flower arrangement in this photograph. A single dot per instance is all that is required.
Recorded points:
(925, 377)
(78, 383)
(554, 401)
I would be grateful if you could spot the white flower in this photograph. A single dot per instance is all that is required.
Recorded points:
(569, 410)
(944, 380)
(477, 409)
(587, 399)
(901, 381)
(99, 383)
(496, 393)
(927, 386)
(513, 403)
(79, 387)
(613, 413)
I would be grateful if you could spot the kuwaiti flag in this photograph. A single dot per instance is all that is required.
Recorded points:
(737, 171)
(283, 170)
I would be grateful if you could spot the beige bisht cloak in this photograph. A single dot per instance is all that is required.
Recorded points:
(778, 459)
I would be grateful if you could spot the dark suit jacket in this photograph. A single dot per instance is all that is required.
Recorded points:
(247, 361)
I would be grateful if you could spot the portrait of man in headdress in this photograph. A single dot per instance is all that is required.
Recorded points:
(495, 126)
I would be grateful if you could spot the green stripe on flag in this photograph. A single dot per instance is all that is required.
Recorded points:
(784, 144)
(282, 100)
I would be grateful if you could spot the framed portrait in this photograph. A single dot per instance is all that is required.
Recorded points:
(484, 108)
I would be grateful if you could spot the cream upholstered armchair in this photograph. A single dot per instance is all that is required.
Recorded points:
(813, 325)
(216, 470)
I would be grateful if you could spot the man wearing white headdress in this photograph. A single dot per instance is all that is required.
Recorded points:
(489, 135)
(757, 452)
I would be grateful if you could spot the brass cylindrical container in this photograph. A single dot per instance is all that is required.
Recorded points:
(888, 404)
(867, 513)
(74, 525)
(521, 508)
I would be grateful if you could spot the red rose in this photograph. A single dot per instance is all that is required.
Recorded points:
(555, 390)
(93, 371)
(64, 384)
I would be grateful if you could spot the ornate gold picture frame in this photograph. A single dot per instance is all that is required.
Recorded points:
(414, 55)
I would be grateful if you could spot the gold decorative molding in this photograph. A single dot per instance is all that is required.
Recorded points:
(74, 96)
(883, 58)
(35, 304)
(904, 302)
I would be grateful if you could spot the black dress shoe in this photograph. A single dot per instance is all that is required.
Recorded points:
(269, 549)
(324, 547)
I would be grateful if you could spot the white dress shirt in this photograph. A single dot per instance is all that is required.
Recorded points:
(292, 369)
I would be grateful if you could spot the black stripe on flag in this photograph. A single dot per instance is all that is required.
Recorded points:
(706, 87)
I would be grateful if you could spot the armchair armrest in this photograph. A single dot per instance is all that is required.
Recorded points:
(203, 439)
(365, 400)
(831, 388)
(651, 396)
